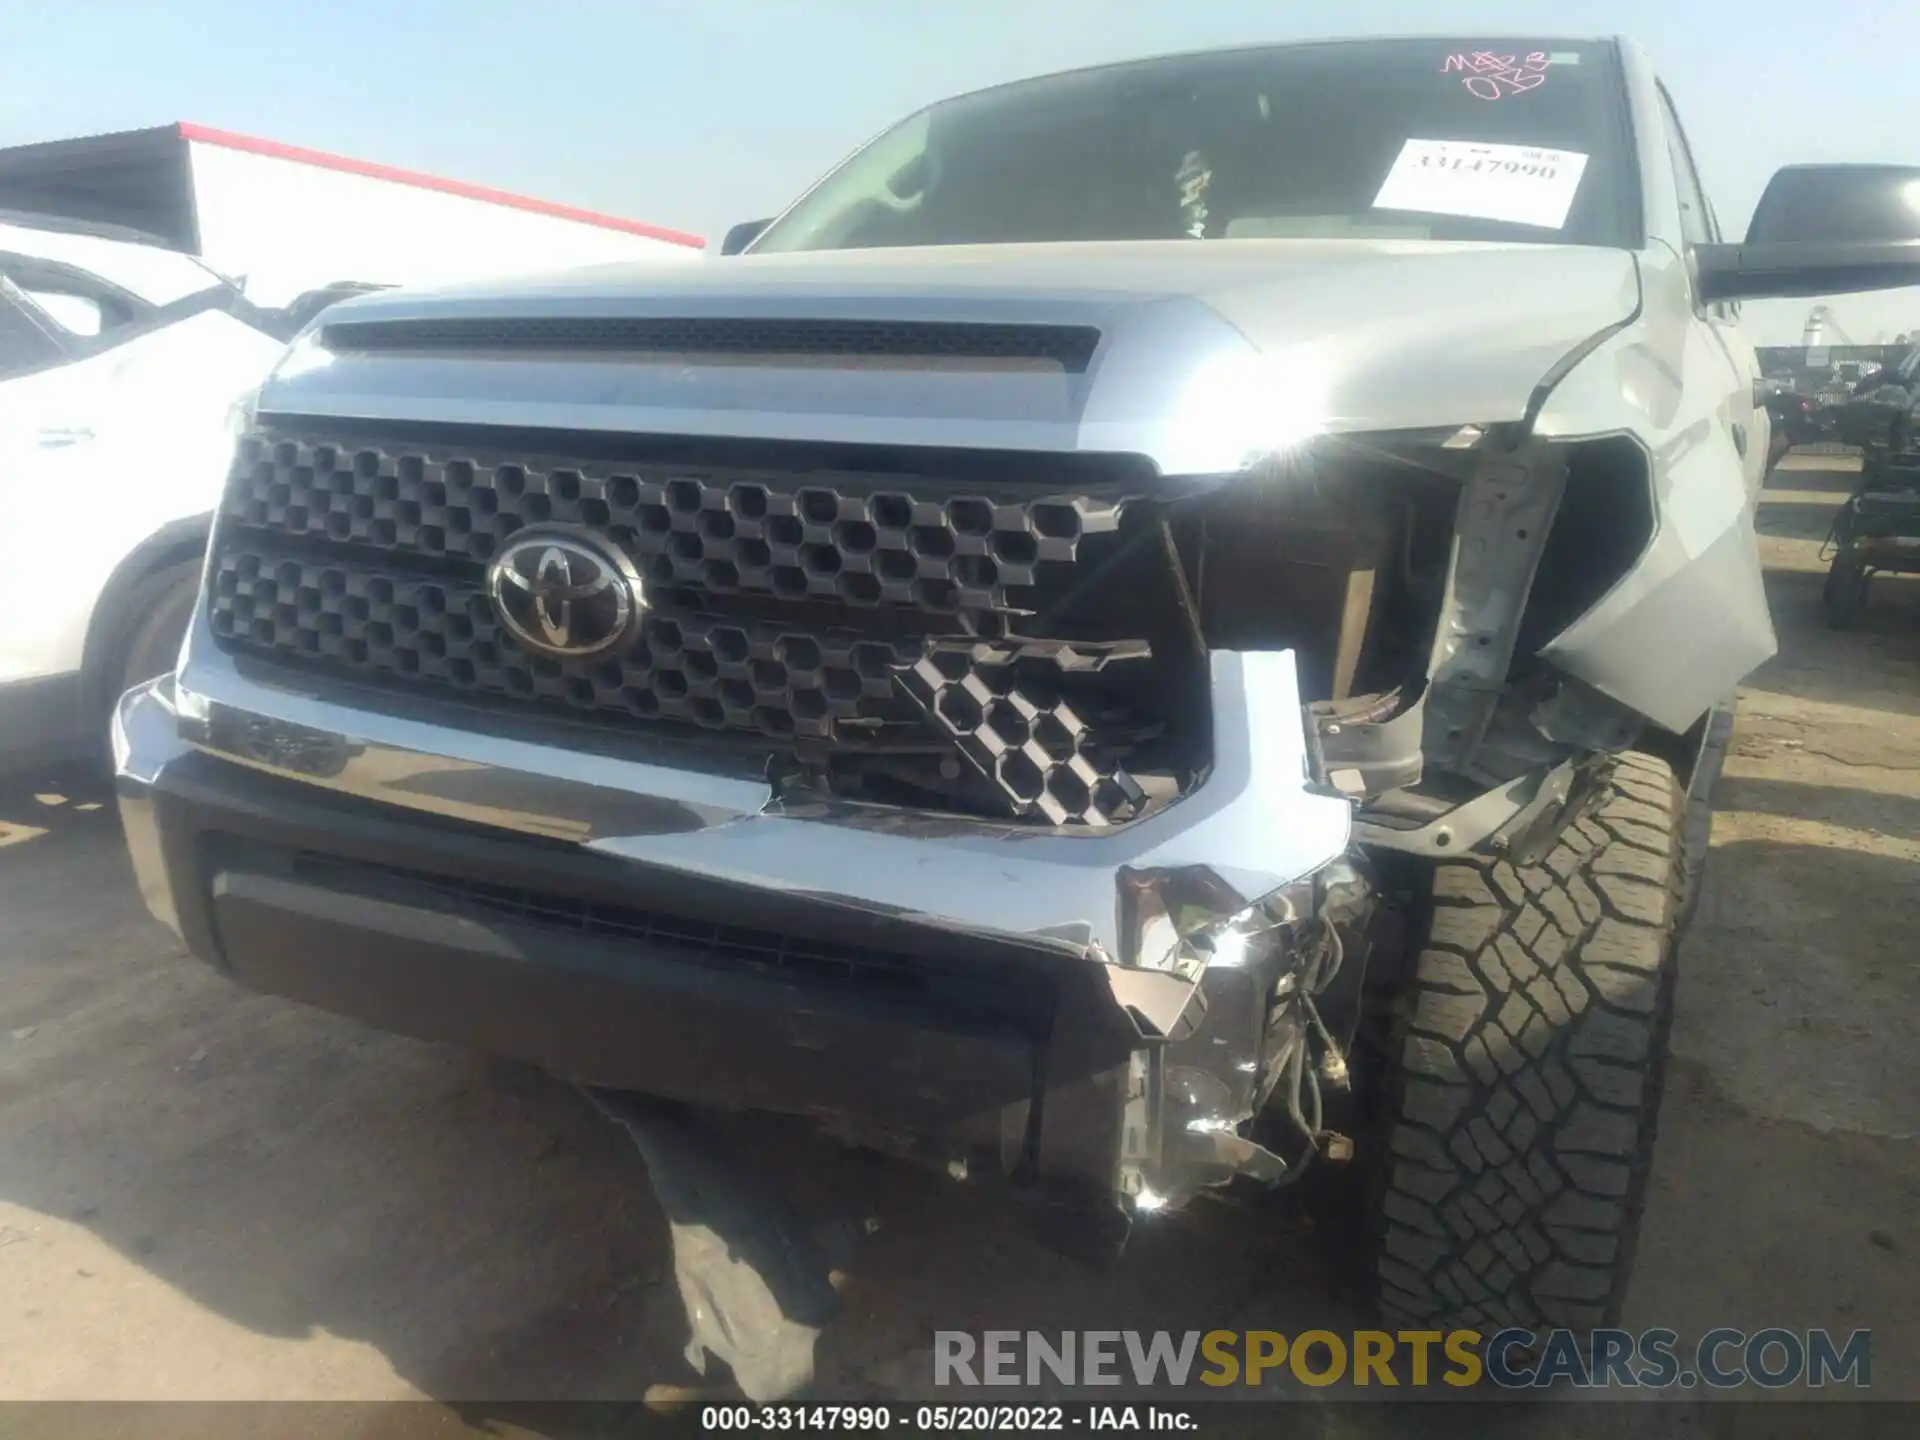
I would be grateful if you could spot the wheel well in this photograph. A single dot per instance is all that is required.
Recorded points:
(1682, 752)
(1697, 755)
(178, 542)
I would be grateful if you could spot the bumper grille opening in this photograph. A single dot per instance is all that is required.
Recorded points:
(988, 991)
(701, 942)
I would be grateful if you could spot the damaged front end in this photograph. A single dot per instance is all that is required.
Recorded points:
(1041, 803)
(1018, 700)
(1252, 1039)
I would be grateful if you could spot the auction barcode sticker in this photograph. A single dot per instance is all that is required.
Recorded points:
(1516, 183)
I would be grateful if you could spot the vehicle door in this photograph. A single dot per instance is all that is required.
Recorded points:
(112, 425)
(48, 412)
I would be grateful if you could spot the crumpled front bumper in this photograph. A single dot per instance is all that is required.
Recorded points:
(1129, 948)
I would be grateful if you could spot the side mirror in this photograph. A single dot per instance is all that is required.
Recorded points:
(742, 235)
(1822, 230)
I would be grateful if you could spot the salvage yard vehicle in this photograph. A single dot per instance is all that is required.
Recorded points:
(1878, 417)
(1877, 528)
(1105, 644)
(1794, 419)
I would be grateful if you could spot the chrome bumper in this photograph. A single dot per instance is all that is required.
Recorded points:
(1126, 897)
(1146, 926)
(145, 734)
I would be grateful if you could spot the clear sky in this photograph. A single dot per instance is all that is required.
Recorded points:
(696, 113)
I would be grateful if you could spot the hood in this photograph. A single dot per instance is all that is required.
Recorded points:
(1208, 355)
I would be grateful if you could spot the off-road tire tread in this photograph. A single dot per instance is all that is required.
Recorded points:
(1531, 1043)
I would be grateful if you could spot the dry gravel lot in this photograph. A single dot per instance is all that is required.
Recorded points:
(205, 1194)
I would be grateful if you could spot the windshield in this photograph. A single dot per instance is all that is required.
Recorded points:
(1400, 139)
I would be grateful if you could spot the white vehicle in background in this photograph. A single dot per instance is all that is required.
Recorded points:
(119, 360)
(148, 282)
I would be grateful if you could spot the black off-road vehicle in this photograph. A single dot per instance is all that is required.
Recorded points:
(1878, 528)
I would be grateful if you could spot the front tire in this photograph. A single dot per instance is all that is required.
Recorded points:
(1531, 1047)
(158, 610)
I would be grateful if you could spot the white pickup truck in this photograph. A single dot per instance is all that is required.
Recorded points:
(1161, 626)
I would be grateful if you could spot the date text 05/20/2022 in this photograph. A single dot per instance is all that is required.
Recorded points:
(935, 1419)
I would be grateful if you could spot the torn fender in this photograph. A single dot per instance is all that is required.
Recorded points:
(1689, 620)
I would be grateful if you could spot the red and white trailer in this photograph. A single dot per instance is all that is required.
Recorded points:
(283, 220)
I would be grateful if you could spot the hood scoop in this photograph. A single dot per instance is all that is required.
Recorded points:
(1064, 347)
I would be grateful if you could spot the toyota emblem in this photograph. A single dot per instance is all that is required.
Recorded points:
(565, 592)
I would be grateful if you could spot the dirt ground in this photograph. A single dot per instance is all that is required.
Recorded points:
(205, 1194)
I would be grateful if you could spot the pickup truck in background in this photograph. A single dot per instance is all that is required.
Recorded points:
(148, 281)
(1161, 627)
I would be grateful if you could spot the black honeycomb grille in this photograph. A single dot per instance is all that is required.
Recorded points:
(1032, 745)
(1070, 347)
(852, 539)
(703, 670)
(849, 621)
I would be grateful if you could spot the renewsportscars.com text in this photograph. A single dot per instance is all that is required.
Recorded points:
(1512, 1359)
